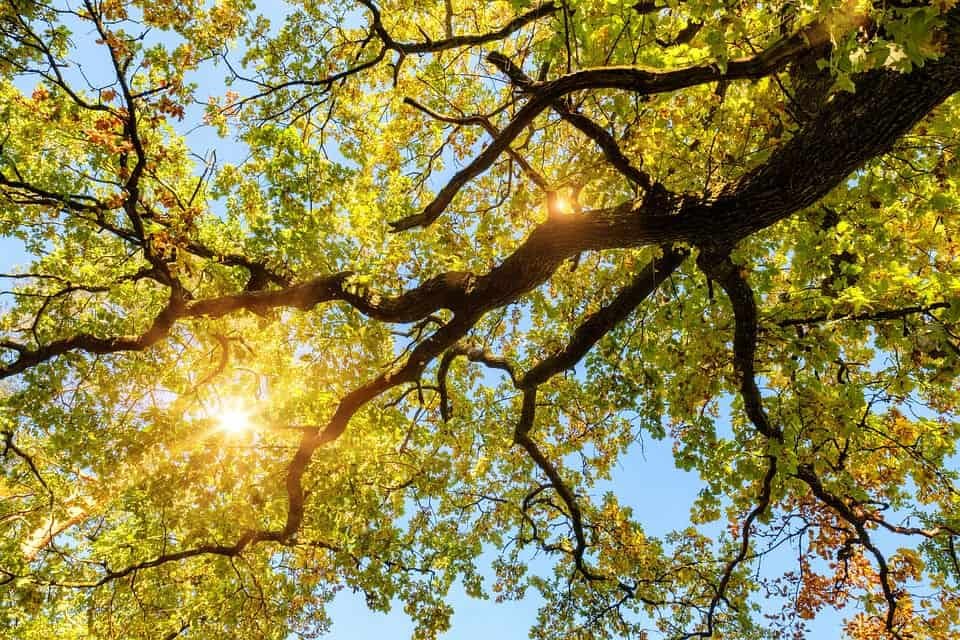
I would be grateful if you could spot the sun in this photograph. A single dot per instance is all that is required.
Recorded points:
(559, 205)
(562, 206)
(234, 421)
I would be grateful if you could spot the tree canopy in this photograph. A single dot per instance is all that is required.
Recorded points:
(376, 295)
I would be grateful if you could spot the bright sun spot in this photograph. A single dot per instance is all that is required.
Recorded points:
(234, 421)
(562, 206)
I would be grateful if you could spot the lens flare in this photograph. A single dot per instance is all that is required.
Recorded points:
(562, 206)
(234, 421)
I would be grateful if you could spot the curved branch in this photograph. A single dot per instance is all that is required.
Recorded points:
(88, 343)
(390, 44)
(600, 323)
(883, 314)
(325, 83)
(9, 445)
(474, 354)
(486, 125)
(763, 503)
(454, 42)
(734, 284)
(603, 138)
(634, 79)
(522, 437)
(806, 473)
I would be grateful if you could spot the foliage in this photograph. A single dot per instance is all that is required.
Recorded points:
(453, 261)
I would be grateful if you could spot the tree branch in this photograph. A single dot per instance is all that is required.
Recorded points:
(634, 79)
(600, 323)
(603, 138)
(454, 42)
(734, 284)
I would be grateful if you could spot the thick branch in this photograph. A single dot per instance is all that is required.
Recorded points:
(600, 323)
(27, 358)
(634, 79)
(725, 272)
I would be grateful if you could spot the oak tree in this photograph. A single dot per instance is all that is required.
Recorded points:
(376, 295)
